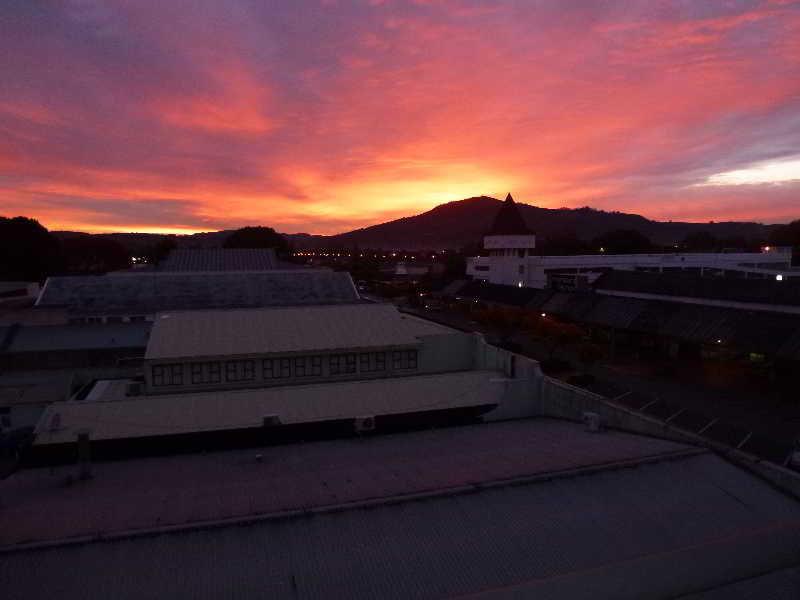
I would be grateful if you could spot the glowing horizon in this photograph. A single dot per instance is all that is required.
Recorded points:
(326, 116)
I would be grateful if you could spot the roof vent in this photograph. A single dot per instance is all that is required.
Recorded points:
(592, 422)
(364, 424)
(271, 421)
(55, 422)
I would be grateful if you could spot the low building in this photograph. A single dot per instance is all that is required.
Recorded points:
(47, 347)
(512, 260)
(18, 293)
(124, 297)
(222, 377)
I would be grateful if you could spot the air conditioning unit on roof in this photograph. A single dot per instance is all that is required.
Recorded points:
(364, 424)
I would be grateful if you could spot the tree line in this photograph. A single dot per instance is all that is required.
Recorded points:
(29, 252)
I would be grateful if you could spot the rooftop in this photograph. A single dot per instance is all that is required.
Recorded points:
(533, 508)
(263, 331)
(687, 285)
(151, 492)
(220, 259)
(121, 417)
(33, 388)
(151, 292)
(50, 338)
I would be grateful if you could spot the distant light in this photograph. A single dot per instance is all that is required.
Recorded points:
(602, 249)
(767, 248)
(519, 284)
(544, 315)
(719, 341)
(779, 277)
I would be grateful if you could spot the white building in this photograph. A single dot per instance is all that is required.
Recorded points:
(511, 259)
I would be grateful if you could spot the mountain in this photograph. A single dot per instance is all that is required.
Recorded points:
(464, 222)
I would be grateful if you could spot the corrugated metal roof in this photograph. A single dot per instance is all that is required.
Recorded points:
(762, 291)
(144, 416)
(273, 330)
(615, 312)
(659, 530)
(147, 293)
(219, 259)
(783, 584)
(152, 492)
(50, 338)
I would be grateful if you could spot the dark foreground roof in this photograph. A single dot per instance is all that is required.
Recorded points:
(220, 259)
(153, 292)
(534, 508)
(687, 285)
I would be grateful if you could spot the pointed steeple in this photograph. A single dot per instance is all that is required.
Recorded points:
(509, 221)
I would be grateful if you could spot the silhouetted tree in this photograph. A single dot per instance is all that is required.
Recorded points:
(94, 254)
(257, 237)
(700, 241)
(786, 235)
(455, 266)
(564, 245)
(28, 252)
(622, 241)
(161, 249)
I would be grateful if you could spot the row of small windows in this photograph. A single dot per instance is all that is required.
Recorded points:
(511, 252)
(282, 368)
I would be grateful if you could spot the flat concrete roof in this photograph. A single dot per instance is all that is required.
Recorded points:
(280, 330)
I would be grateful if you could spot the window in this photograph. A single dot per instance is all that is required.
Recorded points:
(300, 367)
(340, 364)
(404, 359)
(316, 365)
(167, 375)
(370, 362)
(278, 368)
(240, 370)
(208, 372)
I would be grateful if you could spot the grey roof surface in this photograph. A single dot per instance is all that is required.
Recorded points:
(278, 330)
(33, 388)
(143, 493)
(147, 293)
(50, 338)
(219, 259)
(143, 416)
(782, 584)
(659, 530)
(763, 291)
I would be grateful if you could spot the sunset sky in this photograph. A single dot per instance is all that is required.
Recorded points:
(324, 116)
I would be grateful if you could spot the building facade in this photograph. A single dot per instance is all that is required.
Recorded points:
(511, 260)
